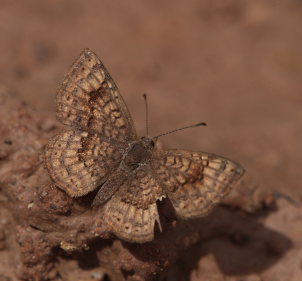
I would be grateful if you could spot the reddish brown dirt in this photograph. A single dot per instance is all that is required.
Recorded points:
(236, 65)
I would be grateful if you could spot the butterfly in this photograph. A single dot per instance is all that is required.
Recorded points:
(101, 150)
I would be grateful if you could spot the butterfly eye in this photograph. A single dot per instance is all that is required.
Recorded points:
(152, 143)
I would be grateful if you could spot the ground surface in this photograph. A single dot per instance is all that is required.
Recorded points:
(236, 65)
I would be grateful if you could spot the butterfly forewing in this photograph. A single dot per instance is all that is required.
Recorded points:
(195, 181)
(88, 99)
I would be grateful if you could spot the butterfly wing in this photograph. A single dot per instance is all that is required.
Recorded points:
(195, 181)
(78, 161)
(88, 99)
(132, 212)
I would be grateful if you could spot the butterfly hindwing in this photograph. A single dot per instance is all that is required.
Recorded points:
(132, 211)
(78, 162)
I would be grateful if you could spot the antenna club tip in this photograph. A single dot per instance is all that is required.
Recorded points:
(201, 124)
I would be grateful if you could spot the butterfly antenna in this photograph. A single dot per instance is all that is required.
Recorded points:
(147, 113)
(183, 128)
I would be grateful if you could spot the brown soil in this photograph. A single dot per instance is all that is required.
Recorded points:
(236, 65)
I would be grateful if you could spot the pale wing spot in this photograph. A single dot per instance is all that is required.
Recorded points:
(208, 181)
(230, 168)
(110, 107)
(102, 102)
(127, 227)
(100, 75)
(180, 178)
(145, 191)
(64, 173)
(70, 153)
(177, 165)
(91, 61)
(117, 216)
(83, 83)
(70, 161)
(222, 178)
(97, 113)
(215, 165)
(139, 216)
(210, 172)
(84, 71)
(120, 122)
(55, 162)
(170, 160)
(110, 84)
(109, 150)
(70, 87)
(89, 162)
(185, 165)
(93, 81)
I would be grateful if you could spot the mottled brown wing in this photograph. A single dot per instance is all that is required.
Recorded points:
(78, 162)
(132, 212)
(88, 99)
(195, 181)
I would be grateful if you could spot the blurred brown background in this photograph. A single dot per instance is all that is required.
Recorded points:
(236, 65)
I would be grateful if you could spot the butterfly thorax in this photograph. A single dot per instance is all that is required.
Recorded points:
(139, 153)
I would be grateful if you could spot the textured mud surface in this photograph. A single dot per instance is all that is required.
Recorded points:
(236, 66)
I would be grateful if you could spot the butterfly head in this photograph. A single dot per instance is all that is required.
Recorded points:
(147, 142)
